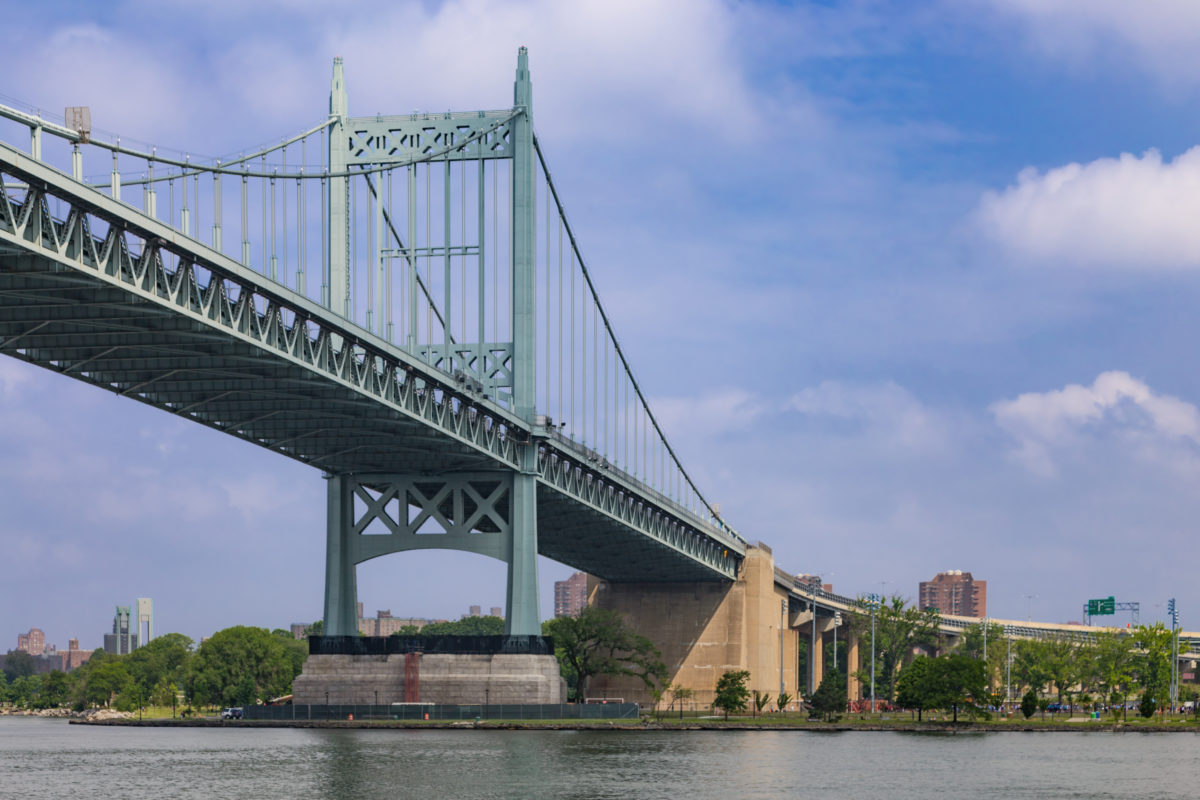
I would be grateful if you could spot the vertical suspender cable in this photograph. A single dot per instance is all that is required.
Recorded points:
(571, 365)
(282, 216)
(462, 258)
(429, 262)
(413, 328)
(246, 216)
(560, 321)
(387, 238)
(372, 252)
(217, 212)
(481, 270)
(263, 230)
(448, 362)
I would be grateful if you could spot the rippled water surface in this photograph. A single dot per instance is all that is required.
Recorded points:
(48, 758)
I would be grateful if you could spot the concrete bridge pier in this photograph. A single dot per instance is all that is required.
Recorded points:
(853, 689)
(704, 629)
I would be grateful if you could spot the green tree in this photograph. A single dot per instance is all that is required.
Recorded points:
(782, 701)
(913, 686)
(1114, 667)
(680, 695)
(315, 629)
(899, 628)
(105, 681)
(1153, 665)
(830, 697)
(165, 657)
(467, 626)
(973, 643)
(1147, 706)
(407, 630)
(1063, 664)
(53, 691)
(235, 657)
(761, 700)
(958, 682)
(25, 689)
(1029, 703)
(731, 692)
(164, 693)
(600, 642)
(18, 664)
(1029, 665)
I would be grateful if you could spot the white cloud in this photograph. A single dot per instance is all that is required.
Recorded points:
(1162, 37)
(1125, 213)
(1116, 406)
(12, 376)
(714, 413)
(887, 412)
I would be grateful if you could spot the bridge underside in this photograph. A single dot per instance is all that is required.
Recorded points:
(571, 533)
(71, 323)
(79, 324)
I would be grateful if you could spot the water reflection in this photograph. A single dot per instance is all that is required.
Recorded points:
(44, 758)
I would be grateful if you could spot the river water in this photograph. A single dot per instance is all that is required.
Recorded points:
(42, 758)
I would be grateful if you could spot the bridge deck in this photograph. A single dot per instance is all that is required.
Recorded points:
(111, 297)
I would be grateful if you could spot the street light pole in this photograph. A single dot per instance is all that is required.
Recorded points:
(1008, 671)
(812, 647)
(873, 603)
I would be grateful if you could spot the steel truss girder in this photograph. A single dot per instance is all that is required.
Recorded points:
(608, 497)
(383, 140)
(209, 288)
(153, 280)
(470, 511)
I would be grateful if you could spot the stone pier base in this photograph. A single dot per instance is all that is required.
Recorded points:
(450, 678)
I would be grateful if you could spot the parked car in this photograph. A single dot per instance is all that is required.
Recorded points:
(231, 713)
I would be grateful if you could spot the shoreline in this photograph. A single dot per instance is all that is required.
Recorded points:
(617, 725)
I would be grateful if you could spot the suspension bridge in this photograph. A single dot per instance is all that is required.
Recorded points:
(400, 302)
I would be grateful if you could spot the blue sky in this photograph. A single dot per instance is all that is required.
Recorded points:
(912, 285)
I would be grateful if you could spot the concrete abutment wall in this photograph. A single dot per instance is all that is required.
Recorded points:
(704, 629)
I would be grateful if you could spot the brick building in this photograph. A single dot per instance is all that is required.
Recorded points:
(384, 624)
(956, 593)
(570, 596)
(33, 642)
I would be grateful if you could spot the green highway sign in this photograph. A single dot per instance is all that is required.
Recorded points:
(1102, 606)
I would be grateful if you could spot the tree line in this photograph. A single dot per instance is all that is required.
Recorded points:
(235, 666)
(1105, 667)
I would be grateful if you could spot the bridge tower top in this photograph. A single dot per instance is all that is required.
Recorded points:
(338, 104)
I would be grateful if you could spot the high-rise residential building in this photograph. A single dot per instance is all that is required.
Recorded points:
(956, 593)
(570, 596)
(123, 638)
(497, 611)
(476, 611)
(33, 642)
(144, 629)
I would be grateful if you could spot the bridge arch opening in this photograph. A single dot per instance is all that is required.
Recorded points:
(445, 584)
